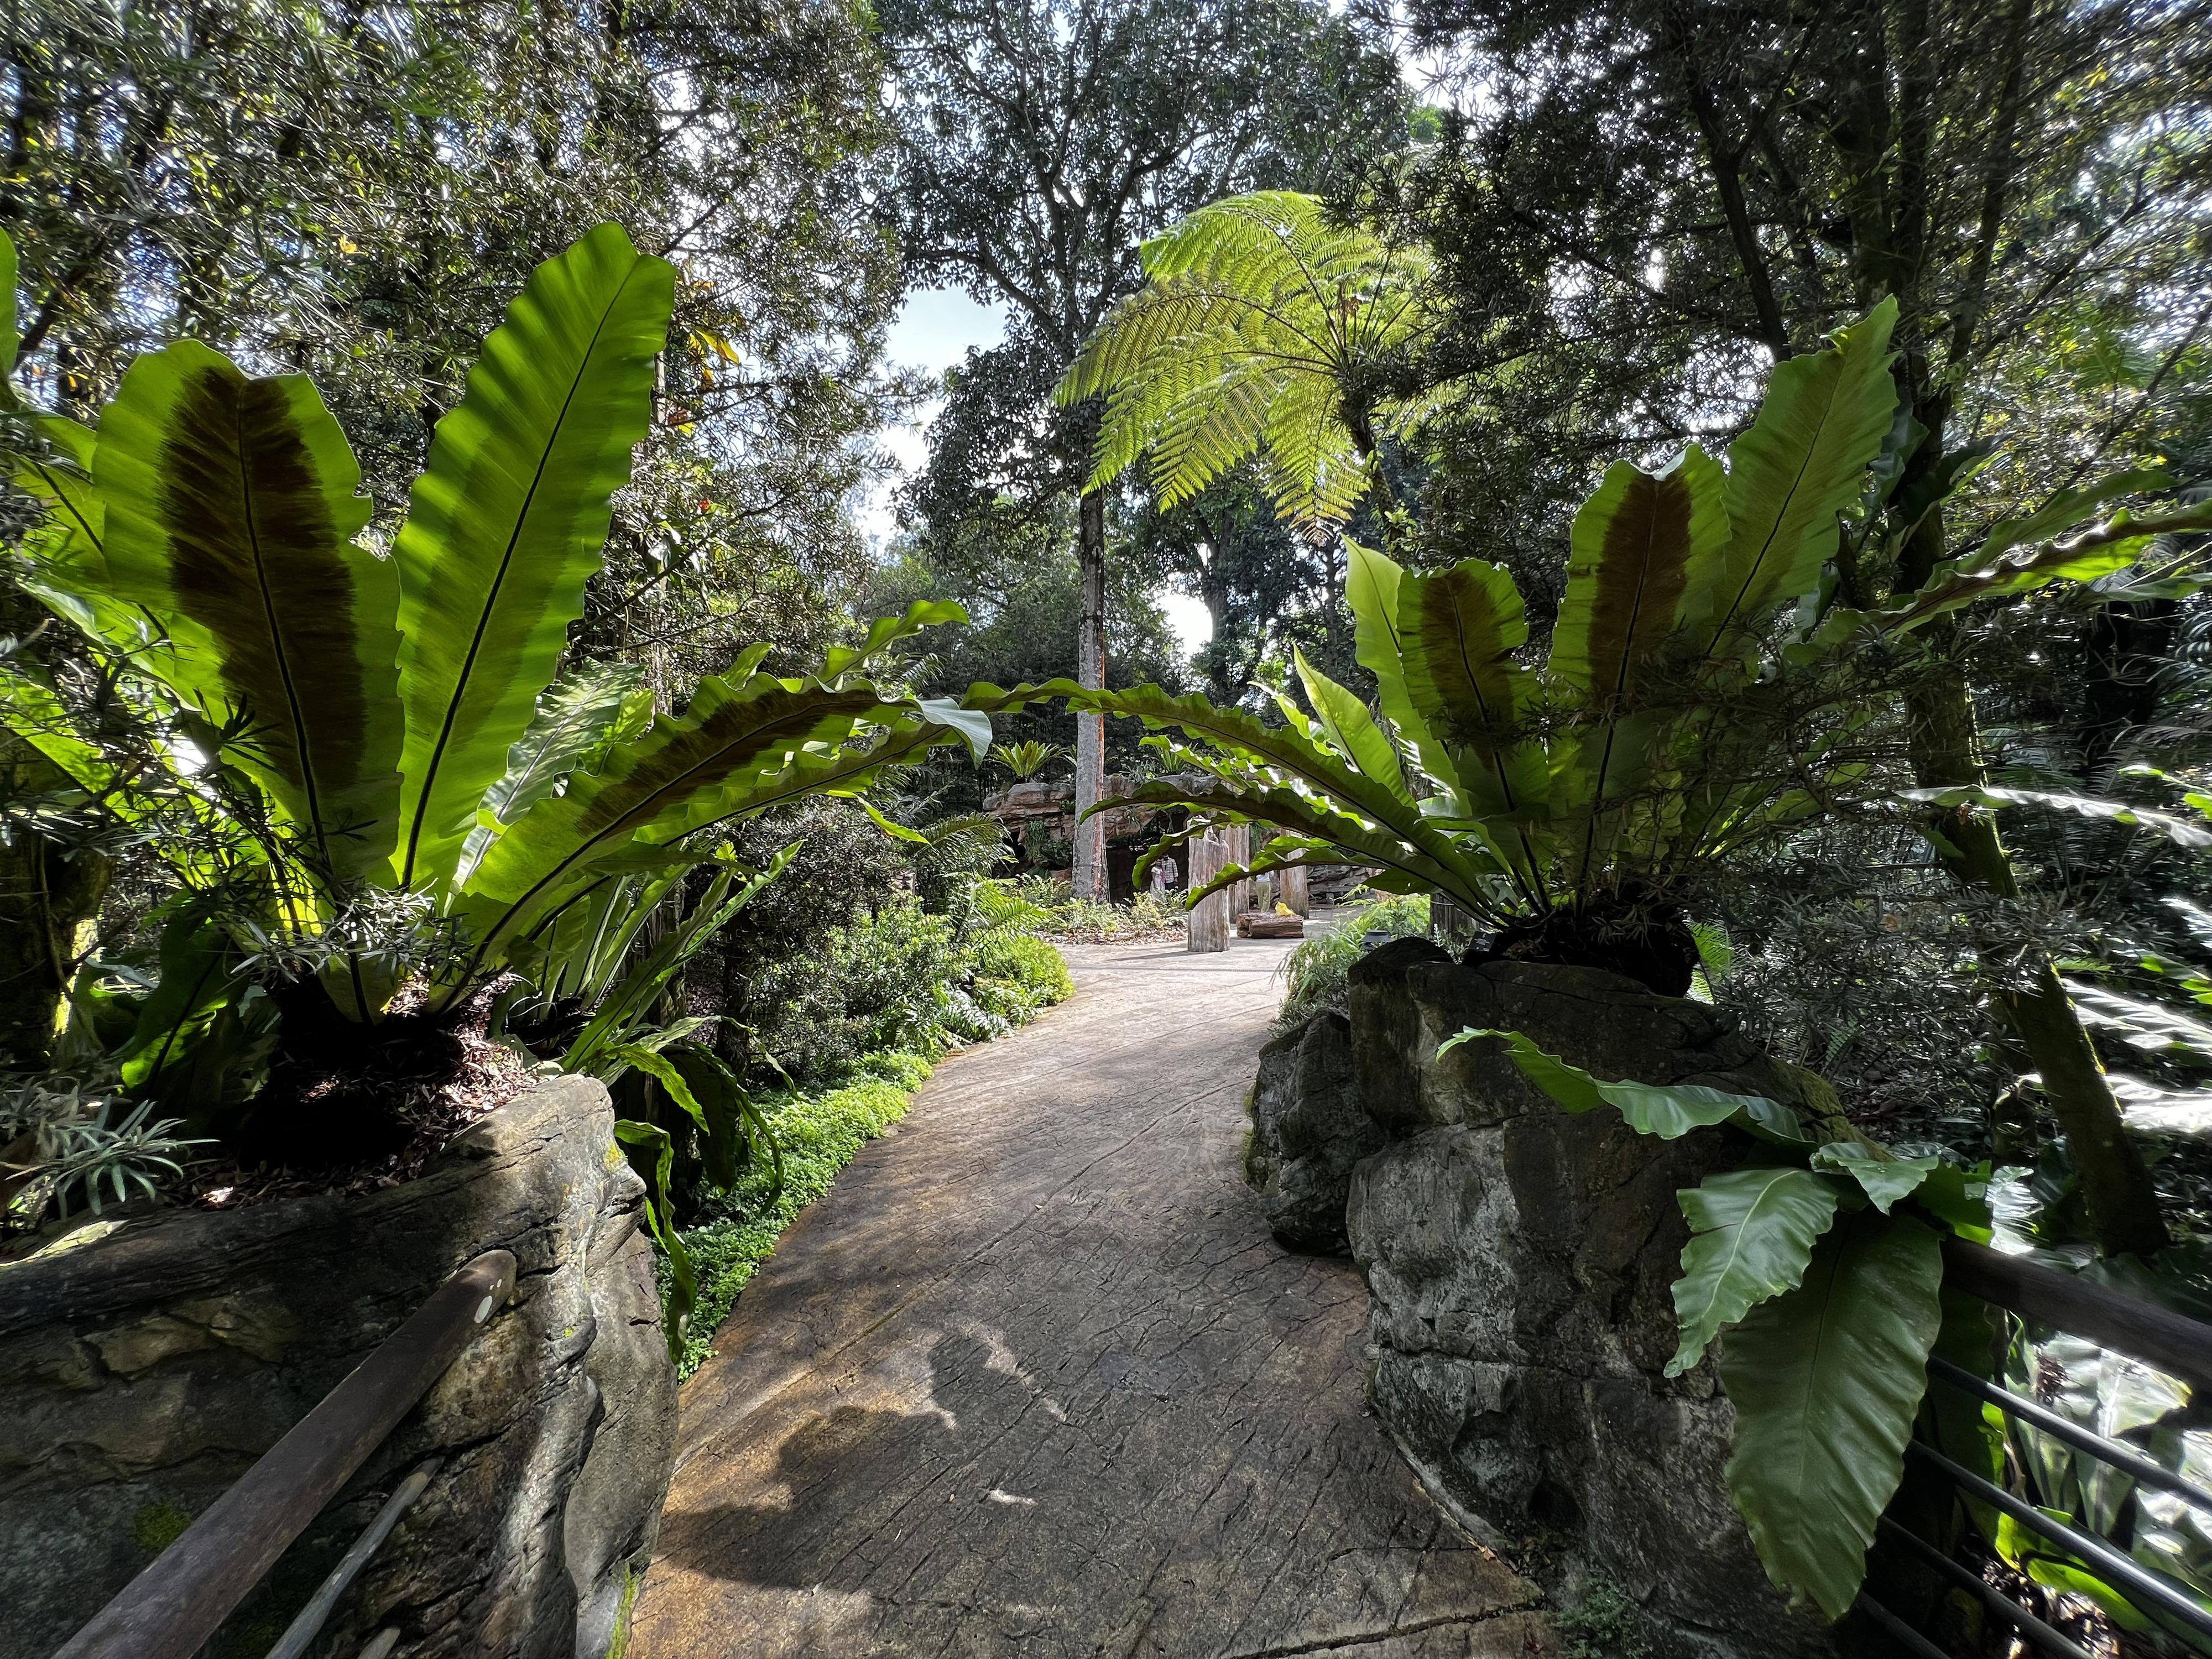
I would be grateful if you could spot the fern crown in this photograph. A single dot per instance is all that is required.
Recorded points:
(1245, 345)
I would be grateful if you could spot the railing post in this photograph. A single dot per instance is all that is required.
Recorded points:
(170, 1609)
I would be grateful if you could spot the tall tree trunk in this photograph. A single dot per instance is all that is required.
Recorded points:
(1088, 876)
(2115, 1185)
(47, 900)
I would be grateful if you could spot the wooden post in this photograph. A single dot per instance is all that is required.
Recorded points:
(1295, 891)
(1209, 917)
(1238, 850)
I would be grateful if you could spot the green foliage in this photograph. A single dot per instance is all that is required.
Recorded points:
(1665, 732)
(1026, 760)
(65, 1143)
(1254, 339)
(1667, 1113)
(1313, 975)
(356, 193)
(1605, 1623)
(901, 979)
(356, 767)
(1751, 1234)
(1826, 1380)
(1830, 1301)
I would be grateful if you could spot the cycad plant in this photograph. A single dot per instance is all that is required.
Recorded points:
(363, 768)
(1260, 336)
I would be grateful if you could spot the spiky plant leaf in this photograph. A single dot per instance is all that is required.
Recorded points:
(1299, 759)
(2182, 832)
(1752, 1233)
(10, 341)
(1373, 585)
(1882, 1175)
(1459, 631)
(1350, 730)
(739, 750)
(1644, 548)
(1667, 1111)
(884, 631)
(1826, 1381)
(230, 510)
(1800, 464)
(577, 716)
(508, 520)
(2029, 564)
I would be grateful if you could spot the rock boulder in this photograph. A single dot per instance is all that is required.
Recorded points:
(1307, 1132)
(1519, 1260)
(145, 1366)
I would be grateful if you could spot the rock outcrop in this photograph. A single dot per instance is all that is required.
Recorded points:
(1307, 1132)
(1520, 1258)
(145, 1366)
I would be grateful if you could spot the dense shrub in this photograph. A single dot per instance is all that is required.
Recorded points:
(1313, 973)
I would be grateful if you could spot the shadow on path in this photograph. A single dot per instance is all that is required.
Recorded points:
(1033, 1379)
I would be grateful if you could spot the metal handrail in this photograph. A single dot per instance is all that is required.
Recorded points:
(2169, 1342)
(2126, 1459)
(169, 1610)
(2037, 1633)
(2121, 1570)
(2165, 1340)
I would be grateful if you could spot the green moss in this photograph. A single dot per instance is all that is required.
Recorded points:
(621, 1644)
(158, 1525)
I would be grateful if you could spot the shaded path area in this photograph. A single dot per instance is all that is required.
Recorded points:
(1034, 1380)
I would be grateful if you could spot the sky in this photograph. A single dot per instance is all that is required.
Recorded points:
(933, 331)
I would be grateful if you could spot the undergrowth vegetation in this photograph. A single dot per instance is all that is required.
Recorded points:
(1313, 975)
(1010, 979)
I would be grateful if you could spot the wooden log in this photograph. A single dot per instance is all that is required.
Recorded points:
(1265, 924)
(1296, 892)
(1209, 917)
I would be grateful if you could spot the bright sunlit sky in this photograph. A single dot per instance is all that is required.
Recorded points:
(933, 331)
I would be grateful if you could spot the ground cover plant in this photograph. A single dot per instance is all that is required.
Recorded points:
(1313, 975)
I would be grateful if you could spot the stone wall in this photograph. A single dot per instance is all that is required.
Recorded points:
(144, 1366)
(1519, 1261)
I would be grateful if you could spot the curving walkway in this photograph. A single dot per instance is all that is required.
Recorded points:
(1033, 1380)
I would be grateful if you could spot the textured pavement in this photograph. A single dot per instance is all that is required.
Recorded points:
(1033, 1379)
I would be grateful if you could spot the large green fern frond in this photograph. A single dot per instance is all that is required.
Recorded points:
(1256, 315)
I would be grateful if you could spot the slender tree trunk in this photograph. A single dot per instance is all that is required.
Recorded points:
(1089, 877)
(2116, 1184)
(47, 901)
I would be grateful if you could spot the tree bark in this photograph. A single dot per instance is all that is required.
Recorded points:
(47, 901)
(1088, 876)
(2115, 1185)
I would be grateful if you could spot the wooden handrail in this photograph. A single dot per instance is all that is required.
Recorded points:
(168, 1610)
(2170, 1342)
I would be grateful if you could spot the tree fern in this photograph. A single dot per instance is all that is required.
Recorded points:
(1248, 344)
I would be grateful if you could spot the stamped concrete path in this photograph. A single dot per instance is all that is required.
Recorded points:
(1034, 1380)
